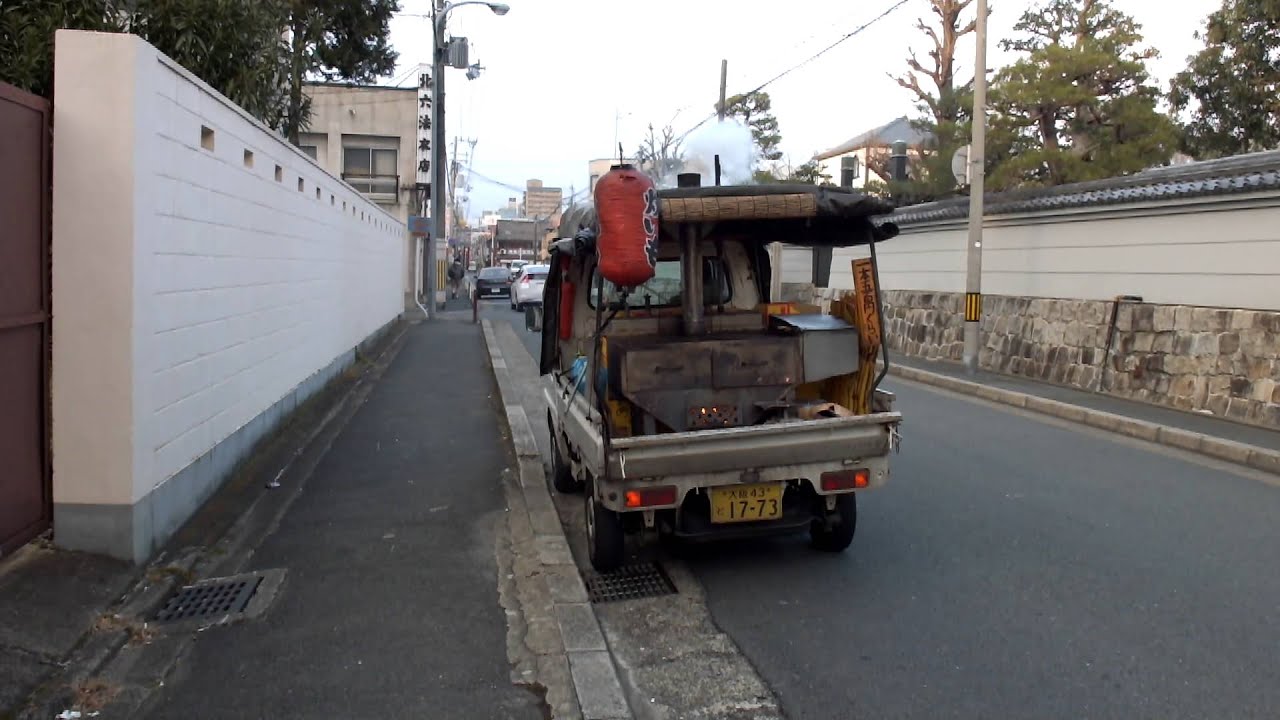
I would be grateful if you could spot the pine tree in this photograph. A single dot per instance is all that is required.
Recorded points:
(1230, 91)
(755, 109)
(1078, 105)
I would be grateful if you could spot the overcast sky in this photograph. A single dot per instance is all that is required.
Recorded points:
(561, 75)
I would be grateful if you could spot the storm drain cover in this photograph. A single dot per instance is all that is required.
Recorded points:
(211, 599)
(629, 582)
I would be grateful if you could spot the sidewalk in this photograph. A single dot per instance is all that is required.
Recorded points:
(390, 605)
(48, 599)
(1224, 439)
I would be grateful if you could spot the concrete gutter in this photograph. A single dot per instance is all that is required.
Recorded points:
(1234, 452)
(595, 677)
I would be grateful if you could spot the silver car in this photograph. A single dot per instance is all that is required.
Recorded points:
(527, 288)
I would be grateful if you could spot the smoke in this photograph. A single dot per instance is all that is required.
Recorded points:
(732, 141)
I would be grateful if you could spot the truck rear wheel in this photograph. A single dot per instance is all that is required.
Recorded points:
(605, 540)
(833, 532)
(562, 478)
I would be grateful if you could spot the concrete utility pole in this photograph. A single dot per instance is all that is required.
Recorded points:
(977, 154)
(724, 84)
(454, 169)
(439, 180)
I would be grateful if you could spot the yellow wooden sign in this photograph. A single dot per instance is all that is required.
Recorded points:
(867, 297)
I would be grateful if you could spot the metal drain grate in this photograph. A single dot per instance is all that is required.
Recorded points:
(210, 599)
(629, 582)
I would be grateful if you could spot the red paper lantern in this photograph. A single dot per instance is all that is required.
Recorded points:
(627, 209)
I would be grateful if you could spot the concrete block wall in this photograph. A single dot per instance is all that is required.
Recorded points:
(1226, 362)
(208, 276)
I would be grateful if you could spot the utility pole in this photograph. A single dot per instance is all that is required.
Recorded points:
(724, 84)
(439, 183)
(977, 154)
(454, 168)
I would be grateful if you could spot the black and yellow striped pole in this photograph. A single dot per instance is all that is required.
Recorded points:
(973, 254)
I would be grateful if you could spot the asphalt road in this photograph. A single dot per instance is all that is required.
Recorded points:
(1019, 568)
(1016, 567)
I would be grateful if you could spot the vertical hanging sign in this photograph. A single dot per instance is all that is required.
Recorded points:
(423, 174)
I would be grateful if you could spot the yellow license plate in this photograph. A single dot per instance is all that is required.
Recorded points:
(746, 503)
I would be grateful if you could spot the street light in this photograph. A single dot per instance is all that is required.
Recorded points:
(441, 12)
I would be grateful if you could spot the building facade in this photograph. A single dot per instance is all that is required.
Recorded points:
(368, 136)
(542, 205)
(541, 201)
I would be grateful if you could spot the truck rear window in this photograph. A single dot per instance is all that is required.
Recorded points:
(664, 288)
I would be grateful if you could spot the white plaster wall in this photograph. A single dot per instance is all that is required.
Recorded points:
(1215, 252)
(243, 285)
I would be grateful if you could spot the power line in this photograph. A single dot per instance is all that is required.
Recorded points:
(806, 61)
(404, 75)
(499, 183)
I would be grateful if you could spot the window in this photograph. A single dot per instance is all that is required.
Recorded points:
(370, 166)
(310, 150)
(664, 288)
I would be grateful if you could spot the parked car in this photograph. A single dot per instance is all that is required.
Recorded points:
(493, 282)
(527, 289)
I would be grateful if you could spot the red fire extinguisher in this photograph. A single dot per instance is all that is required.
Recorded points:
(627, 209)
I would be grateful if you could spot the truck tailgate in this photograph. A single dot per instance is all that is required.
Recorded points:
(796, 442)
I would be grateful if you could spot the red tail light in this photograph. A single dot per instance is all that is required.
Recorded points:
(845, 480)
(650, 497)
(524, 280)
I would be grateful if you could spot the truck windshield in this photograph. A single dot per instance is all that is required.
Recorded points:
(664, 288)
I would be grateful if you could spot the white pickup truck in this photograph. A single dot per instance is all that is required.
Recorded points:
(686, 407)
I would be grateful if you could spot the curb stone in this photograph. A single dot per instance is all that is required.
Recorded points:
(1251, 456)
(592, 669)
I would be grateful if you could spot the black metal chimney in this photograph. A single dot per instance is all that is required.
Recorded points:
(688, 180)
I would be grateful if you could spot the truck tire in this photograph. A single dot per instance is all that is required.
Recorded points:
(562, 478)
(605, 539)
(837, 536)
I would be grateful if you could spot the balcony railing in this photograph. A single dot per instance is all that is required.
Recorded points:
(379, 188)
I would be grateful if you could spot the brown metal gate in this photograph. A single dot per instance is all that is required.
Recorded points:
(25, 493)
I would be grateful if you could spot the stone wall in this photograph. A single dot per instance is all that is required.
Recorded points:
(1222, 361)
